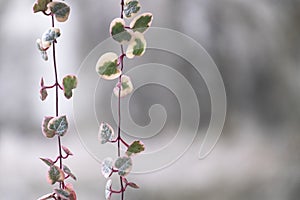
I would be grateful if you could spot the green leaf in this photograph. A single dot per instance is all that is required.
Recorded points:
(108, 189)
(40, 5)
(124, 165)
(59, 125)
(135, 147)
(106, 133)
(68, 172)
(48, 161)
(46, 131)
(107, 66)
(50, 36)
(55, 174)
(131, 8)
(67, 151)
(118, 32)
(47, 196)
(126, 87)
(107, 167)
(141, 22)
(60, 10)
(137, 46)
(69, 83)
(62, 194)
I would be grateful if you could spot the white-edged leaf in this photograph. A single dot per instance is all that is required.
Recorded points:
(106, 133)
(108, 189)
(60, 10)
(69, 83)
(107, 66)
(62, 194)
(59, 125)
(68, 172)
(55, 174)
(50, 35)
(141, 22)
(118, 31)
(137, 46)
(124, 165)
(131, 8)
(107, 167)
(126, 87)
(46, 131)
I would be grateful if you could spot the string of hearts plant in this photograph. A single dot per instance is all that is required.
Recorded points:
(56, 126)
(110, 66)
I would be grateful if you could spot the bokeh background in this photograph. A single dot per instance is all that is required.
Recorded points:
(256, 47)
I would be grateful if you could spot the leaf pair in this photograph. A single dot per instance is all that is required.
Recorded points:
(69, 83)
(135, 38)
(123, 165)
(52, 126)
(60, 10)
(139, 24)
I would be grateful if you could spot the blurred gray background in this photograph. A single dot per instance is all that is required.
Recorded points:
(256, 47)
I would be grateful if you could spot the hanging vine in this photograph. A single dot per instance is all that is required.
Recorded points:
(110, 66)
(57, 125)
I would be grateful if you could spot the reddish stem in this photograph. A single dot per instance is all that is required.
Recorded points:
(119, 107)
(52, 86)
(60, 157)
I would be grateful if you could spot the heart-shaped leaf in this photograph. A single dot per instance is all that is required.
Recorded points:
(118, 32)
(40, 5)
(55, 174)
(137, 46)
(141, 22)
(126, 87)
(131, 8)
(69, 83)
(124, 165)
(62, 194)
(107, 167)
(107, 66)
(106, 133)
(46, 131)
(68, 172)
(59, 125)
(60, 10)
(135, 147)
